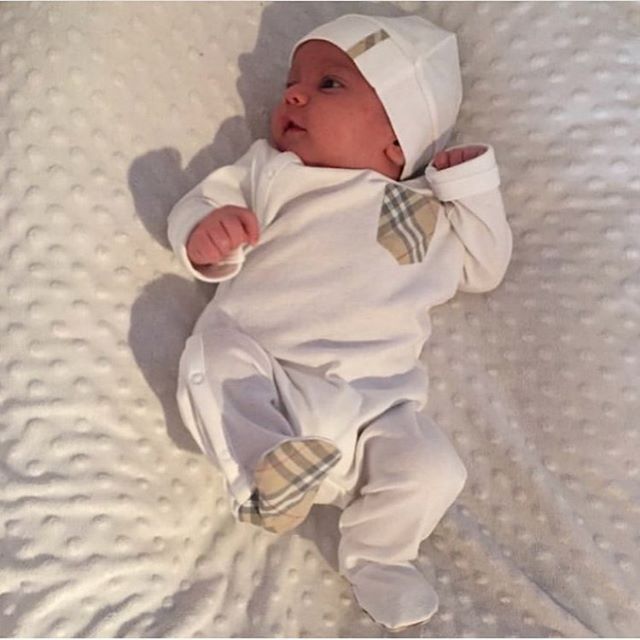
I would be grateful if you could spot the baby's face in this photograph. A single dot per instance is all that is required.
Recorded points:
(330, 116)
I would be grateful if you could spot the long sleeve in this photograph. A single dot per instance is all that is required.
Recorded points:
(473, 205)
(229, 185)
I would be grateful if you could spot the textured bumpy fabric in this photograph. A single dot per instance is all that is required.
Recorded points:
(113, 524)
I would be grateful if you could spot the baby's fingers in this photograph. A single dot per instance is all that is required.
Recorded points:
(219, 241)
(441, 160)
(249, 222)
(235, 231)
(455, 157)
(469, 153)
(201, 250)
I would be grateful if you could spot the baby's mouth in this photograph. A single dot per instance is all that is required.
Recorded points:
(292, 127)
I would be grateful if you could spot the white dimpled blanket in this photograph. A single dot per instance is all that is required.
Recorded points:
(112, 523)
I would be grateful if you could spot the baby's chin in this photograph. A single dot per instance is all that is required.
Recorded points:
(282, 144)
(276, 144)
(310, 158)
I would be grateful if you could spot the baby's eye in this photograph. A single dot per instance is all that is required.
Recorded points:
(330, 83)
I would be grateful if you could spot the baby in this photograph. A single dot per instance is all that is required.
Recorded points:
(302, 380)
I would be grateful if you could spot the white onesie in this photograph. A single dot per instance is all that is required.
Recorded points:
(318, 330)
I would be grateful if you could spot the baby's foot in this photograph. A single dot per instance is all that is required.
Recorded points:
(287, 479)
(395, 596)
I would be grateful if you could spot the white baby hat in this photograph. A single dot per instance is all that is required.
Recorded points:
(413, 67)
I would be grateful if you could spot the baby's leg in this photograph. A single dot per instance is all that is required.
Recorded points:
(412, 475)
(229, 401)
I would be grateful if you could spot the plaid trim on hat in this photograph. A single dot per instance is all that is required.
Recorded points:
(407, 222)
(367, 43)
(287, 479)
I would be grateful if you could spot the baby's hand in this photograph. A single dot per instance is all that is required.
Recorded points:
(222, 231)
(446, 159)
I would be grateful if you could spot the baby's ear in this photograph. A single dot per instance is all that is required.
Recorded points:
(394, 153)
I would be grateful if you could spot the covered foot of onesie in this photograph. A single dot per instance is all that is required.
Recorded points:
(395, 596)
(287, 479)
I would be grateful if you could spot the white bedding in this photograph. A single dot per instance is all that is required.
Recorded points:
(113, 524)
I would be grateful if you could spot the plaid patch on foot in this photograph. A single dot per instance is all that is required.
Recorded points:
(249, 511)
(287, 480)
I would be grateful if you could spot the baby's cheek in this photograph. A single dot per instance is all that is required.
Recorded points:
(275, 134)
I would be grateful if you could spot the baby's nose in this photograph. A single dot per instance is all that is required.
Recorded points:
(296, 95)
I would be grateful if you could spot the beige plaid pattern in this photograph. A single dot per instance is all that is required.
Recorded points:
(287, 480)
(367, 43)
(407, 222)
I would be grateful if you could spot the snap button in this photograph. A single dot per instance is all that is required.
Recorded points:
(197, 378)
(271, 174)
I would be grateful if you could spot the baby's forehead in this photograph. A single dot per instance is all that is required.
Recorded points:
(315, 54)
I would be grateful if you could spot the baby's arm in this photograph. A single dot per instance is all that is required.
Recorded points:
(220, 233)
(468, 186)
(209, 225)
